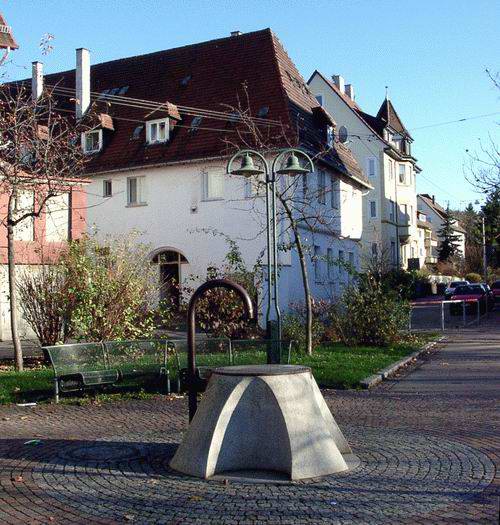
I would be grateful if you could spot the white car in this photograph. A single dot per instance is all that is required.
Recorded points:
(450, 289)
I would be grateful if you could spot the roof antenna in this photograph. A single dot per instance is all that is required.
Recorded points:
(386, 92)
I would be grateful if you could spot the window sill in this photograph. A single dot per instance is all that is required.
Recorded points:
(212, 199)
(136, 205)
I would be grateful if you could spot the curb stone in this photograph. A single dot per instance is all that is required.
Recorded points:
(375, 379)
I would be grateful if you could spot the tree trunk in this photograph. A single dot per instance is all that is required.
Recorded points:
(16, 341)
(307, 291)
(305, 277)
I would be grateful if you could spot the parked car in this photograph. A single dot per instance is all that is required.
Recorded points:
(450, 289)
(495, 289)
(471, 294)
(489, 295)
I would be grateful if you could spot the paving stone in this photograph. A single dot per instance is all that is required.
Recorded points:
(427, 442)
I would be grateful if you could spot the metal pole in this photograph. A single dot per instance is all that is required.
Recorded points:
(485, 261)
(269, 248)
(442, 316)
(275, 258)
(191, 330)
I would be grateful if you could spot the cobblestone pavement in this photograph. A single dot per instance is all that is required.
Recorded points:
(428, 443)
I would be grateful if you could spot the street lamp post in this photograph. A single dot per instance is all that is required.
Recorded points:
(248, 169)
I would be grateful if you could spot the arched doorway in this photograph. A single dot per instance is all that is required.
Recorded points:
(169, 262)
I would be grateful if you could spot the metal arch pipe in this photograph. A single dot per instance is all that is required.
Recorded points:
(191, 325)
(243, 152)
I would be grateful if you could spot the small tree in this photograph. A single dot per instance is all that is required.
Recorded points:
(449, 239)
(111, 287)
(300, 209)
(39, 152)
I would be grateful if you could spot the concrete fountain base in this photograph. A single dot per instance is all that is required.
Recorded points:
(262, 418)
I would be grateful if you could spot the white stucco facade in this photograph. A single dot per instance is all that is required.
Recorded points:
(192, 208)
(391, 234)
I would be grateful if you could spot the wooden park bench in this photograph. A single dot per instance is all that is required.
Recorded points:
(91, 365)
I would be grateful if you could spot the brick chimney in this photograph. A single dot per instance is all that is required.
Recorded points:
(36, 80)
(349, 91)
(339, 81)
(82, 82)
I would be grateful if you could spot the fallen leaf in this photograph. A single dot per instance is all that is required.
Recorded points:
(196, 498)
(6, 419)
(18, 479)
(129, 517)
(24, 417)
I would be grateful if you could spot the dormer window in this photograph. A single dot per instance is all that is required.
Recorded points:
(92, 141)
(157, 131)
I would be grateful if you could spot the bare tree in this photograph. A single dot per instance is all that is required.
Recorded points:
(40, 158)
(483, 167)
(302, 212)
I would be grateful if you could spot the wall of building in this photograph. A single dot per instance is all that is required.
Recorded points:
(437, 223)
(176, 214)
(39, 241)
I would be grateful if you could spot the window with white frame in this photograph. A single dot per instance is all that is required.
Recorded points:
(24, 202)
(213, 186)
(373, 209)
(329, 263)
(317, 265)
(107, 188)
(157, 131)
(92, 141)
(334, 192)
(136, 191)
(57, 218)
(321, 187)
(371, 167)
(402, 173)
(393, 252)
(341, 263)
(319, 98)
(351, 264)
(391, 209)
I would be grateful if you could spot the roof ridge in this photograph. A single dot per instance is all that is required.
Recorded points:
(186, 46)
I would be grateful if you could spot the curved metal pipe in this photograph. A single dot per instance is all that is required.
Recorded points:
(191, 328)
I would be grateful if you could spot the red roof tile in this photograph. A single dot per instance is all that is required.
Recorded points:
(209, 75)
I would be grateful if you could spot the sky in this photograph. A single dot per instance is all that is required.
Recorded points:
(432, 56)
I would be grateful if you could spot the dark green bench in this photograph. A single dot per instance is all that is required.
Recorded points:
(90, 365)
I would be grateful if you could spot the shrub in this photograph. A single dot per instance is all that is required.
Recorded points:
(219, 313)
(43, 302)
(110, 287)
(473, 277)
(369, 315)
(294, 323)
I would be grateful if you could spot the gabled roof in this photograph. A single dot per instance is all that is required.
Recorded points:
(433, 205)
(388, 114)
(375, 124)
(209, 75)
(6, 37)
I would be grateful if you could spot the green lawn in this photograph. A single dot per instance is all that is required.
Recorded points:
(333, 366)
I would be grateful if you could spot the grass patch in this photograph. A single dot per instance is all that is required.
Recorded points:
(333, 366)
(337, 366)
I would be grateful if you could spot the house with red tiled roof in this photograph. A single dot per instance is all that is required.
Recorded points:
(167, 125)
(382, 146)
